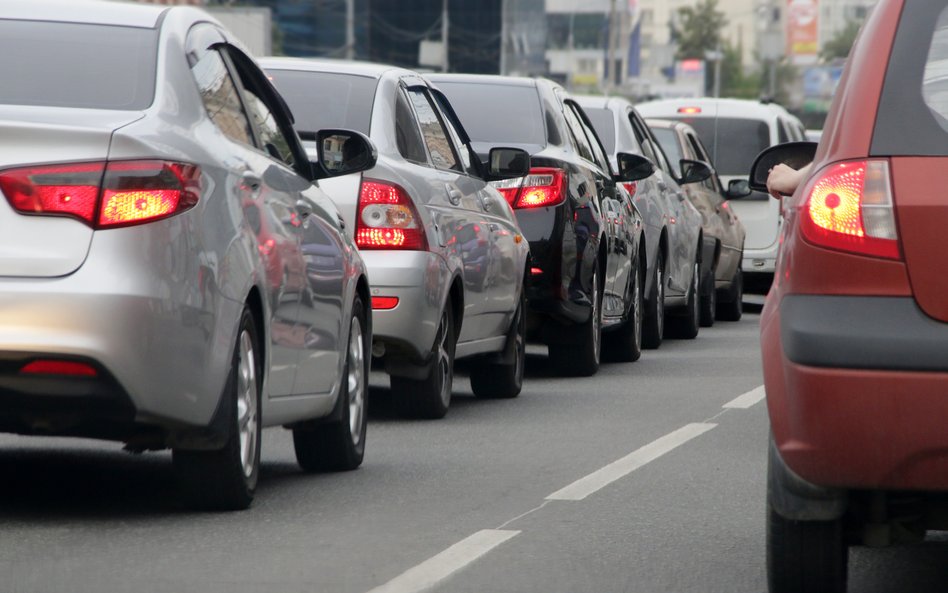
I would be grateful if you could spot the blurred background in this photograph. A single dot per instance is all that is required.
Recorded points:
(790, 51)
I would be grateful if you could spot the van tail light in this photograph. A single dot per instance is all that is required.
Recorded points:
(387, 219)
(849, 207)
(104, 195)
(542, 187)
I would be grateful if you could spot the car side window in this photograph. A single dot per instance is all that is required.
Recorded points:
(598, 153)
(463, 151)
(442, 153)
(576, 132)
(273, 138)
(217, 89)
(407, 135)
(650, 146)
(702, 154)
(782, 134)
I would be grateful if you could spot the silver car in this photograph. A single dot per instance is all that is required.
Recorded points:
(170, 276)
(445, 255)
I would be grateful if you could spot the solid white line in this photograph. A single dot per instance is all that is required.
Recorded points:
(600, 478)
(748, 399)
(439, 567)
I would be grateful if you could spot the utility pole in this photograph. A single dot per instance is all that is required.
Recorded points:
(444, 35)
(350, 30)
(611, 51)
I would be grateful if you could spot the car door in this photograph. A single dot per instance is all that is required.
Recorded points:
(455, 207)
(503, 272)
(276, 240)
(312, 254)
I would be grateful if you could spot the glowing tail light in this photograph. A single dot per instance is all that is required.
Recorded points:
(544, 186)
(104, 195)
(387, 219)
(849, 208)
(384, 303)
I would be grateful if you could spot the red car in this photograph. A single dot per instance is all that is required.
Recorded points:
(854, 333)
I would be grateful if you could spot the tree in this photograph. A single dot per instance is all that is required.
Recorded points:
(699, 30)
(734, 82)
(841, 43)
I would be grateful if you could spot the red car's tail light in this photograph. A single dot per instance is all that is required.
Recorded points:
(384, 303)
(849, 208)
(544, 186)
(58, 367)
(387, 219)
(630, 186)
(103, 194)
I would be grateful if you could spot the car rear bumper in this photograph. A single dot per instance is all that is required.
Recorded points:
(857, 394)
(420, 280)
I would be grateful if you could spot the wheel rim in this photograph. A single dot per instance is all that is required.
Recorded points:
(695, 293)
(247, 403)
(596, 317)
(444, 358)
(660, 297)
(637, 303)
(520, 343)
(355, 381)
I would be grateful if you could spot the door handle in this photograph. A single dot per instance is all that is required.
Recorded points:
(251, 181)
(454, 196)
(494, 227)
(304, 208)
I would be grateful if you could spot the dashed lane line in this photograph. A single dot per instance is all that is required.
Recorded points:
(439, 567)
(748, 399)
(620, 468)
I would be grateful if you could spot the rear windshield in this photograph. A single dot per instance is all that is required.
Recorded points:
(77, 65)
(913, 111)
(604, 123)
(495, 113)
(321, 100)
(732, 143)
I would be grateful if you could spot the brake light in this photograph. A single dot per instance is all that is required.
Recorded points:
(384, 303)
(849, 208)
(544, 186)
(58, 367)
(387, 219)
(689, 110)
(104, 195)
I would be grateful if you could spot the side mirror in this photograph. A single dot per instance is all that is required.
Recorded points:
(737, 188)
(693, 171)
(792, 154)
(507, 163)
(633, 167)
(340, 152)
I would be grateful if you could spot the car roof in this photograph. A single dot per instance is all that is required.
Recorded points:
(663, 123)
(368, 69)
(97, 12)
(602, 102)
(711, 107)
(484, 79)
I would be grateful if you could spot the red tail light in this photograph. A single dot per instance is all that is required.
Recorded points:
(387, 219)
(849, 208)
(384, 303)
(58, 367)
(104, 195)
(544, 186)
(630, 186)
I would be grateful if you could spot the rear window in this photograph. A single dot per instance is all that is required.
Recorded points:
(603, 122)
(77, 65)
(321, 100)
(913, 111)
(494, 113)
(733, 143)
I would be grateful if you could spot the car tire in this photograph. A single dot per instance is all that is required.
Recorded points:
(732, 308)
(226, 479)
(492, 379)
(709, 300)
(685, 325)
(805, 556)
(430, 397)
(625, 343)
(653, 328)
(339, 444)
(581, 358)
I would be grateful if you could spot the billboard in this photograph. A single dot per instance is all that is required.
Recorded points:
(803, 31)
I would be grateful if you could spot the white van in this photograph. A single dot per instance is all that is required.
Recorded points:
(734, 131)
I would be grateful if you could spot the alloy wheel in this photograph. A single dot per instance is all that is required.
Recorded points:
(355, 381)
(247, 413)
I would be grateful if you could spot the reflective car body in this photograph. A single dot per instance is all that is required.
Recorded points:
(734, 131)
(471, 259)
(583, 231)
(672, 224)
(855, 327)
(723, 230)
(139, 313)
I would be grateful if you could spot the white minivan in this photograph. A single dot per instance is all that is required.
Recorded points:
(734, 131)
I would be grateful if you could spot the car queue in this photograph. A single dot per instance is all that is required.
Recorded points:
(231, 244)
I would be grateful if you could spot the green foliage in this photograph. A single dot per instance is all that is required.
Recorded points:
(734, 82)
(699, 29)
(841, 43)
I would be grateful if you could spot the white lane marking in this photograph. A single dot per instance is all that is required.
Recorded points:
(601, 478)
(748, 399)
(440, 566)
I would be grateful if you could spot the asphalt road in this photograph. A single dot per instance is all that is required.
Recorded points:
(640, 479)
